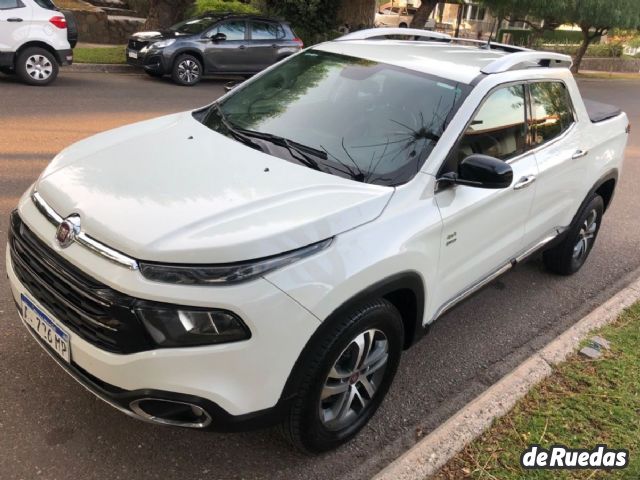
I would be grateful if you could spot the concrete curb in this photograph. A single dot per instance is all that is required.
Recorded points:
(436, 449)
(101, 68)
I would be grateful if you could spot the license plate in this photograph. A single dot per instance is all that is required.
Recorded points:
(47, 329)
(133, 54)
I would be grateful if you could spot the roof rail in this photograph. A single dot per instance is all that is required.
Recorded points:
(527, 59)
(371, 33)
(492, 46)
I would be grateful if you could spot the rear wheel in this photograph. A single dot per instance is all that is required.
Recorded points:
(187, 70)
(346, 376)
(568, 257)
(37, 66)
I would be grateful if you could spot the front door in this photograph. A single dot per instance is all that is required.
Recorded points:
(230, 54)
(483, 229)
(15, 21)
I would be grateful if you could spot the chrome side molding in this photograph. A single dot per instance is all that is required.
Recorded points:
(82, 238)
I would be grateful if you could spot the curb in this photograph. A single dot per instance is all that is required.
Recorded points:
(436, 449)
(101, 68)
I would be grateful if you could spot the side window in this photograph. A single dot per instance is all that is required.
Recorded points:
(552, 111)
(498, 129)
(10, 4)
(234, 30)
(266, 31)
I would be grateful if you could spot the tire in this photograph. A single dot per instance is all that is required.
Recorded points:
(37, 66)
(569, 256)
(187, 71)
(154, 74)
(403, 25)
(314, 424)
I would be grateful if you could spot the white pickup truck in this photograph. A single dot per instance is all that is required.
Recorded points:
(267, 258)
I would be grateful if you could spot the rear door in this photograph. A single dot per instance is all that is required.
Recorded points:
(15, 21)
(264, 43)
(230, 55)
(561, 160)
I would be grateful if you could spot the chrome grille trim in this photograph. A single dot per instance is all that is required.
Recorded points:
(82, 238)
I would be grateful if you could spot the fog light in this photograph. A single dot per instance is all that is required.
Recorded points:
(180, 328)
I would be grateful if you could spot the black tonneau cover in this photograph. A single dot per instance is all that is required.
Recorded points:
(599, 112)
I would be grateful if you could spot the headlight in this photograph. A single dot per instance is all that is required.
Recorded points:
(164, 43)
(226, 273)
(180, 328)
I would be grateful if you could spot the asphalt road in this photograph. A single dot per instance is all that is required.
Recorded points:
(51, 428)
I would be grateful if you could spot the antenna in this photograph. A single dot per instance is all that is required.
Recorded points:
(495, 24)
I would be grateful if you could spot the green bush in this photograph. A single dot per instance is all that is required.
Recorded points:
(313, 20)
(521, 37)
(232, 6)
(603, 50)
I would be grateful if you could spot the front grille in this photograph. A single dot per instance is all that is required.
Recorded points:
(137, 44)
(95, 312)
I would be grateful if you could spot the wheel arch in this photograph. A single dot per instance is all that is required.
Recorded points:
(605, 187)
(188, 51)
(36, 44)
(405, 291)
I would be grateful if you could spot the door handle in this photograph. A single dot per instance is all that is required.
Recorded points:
(524, 182)
(579, 154)
(14, 20)
(274, 45)
(242, 47)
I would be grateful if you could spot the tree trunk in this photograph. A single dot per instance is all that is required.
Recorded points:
(356, 14)
(422, 15)
(164, 13)
(586, 40)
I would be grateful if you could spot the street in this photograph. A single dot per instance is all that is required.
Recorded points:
(51, 428)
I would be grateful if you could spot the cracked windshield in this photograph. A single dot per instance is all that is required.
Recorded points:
(359, 119)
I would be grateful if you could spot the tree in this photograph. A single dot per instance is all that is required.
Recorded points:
(597, 17)
(357, 14)
(423, 13)
(311, 19)
(164, 13)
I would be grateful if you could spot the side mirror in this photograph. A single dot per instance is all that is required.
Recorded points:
(218, 37)
(481, 171)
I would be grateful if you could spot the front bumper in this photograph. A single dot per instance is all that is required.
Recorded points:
(238, 384)
(151, 60)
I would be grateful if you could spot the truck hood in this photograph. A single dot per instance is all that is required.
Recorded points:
(172, 190)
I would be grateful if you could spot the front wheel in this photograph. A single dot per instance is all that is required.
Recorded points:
(187, 70)
(346, 376)
(569, 256)
(37, 66)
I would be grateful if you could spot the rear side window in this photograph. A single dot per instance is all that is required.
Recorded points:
(234, 30)
(552, 111)
(498, 129)
(266, 31)
(9, 4)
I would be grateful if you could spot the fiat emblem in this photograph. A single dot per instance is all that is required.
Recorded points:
(68, 230)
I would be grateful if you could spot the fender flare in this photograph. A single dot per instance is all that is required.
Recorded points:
(408, 281)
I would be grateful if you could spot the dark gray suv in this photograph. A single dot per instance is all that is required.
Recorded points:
(213, 44)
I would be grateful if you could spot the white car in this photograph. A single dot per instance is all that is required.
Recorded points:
(266, 259)
(399, 17)
(35, 39)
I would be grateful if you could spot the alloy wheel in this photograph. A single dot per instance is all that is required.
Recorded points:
(354, 379)
(188, 71)
(586, 236)
(39, 67)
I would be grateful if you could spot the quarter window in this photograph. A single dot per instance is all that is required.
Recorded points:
(233, 30)
(552, 111)
(266, 31)
(498, 129)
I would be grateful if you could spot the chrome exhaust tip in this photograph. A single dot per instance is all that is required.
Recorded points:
(170, 412)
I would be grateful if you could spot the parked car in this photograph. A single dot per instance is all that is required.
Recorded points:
(266, 259)
(213, 44)
(35, 39)
(395, 17)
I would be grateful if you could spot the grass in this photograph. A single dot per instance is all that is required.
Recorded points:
(99, 55)
(609, 75)
(584, 403)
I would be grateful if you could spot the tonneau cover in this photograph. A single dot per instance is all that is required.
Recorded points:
(599, 112)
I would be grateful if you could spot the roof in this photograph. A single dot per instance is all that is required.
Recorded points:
(460, 63)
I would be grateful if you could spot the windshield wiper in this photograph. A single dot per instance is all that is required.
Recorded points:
(234, 132)
(301, 153)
